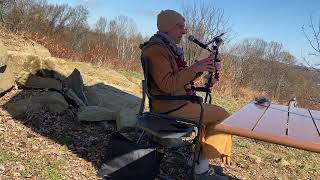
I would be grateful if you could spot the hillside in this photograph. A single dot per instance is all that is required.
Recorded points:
(43, 137)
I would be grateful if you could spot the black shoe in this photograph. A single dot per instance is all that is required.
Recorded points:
(209, 175)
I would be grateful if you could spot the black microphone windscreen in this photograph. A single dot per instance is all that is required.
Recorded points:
(191, 38)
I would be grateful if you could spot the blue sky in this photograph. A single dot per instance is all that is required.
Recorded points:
(271, 20)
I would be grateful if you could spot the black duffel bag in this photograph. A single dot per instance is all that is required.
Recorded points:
(130, 161)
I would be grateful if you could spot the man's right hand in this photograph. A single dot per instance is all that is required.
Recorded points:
(204, 65)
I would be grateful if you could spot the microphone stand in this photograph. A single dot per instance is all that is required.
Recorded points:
(216, 42)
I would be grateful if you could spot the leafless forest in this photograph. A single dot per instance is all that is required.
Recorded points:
(252, 67)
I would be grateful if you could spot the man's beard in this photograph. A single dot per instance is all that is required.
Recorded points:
(177, 40)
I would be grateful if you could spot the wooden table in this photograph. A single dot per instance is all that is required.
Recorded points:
(294, 127)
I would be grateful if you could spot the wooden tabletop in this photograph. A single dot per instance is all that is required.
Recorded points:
(293, 127)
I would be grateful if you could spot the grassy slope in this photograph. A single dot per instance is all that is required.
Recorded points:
(25, 154)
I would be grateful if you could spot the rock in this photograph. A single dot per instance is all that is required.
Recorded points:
(108, 124)
(117, 101)
(75, 82)
(33, 81)
(24, 65)
(14, 65)
(16, 174)
(127, 118)
(283, 162)
(254, 158)
(32, 64)
(2, 168)
(6, 82)
(50, 74)
(96, 113)
(52, 101)
(19, 108)
(71, 95)
(20, 167)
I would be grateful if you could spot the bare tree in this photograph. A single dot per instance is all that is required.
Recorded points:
(264, 66)
(121, 30)
(312, 34)
(13, 13)
(204, 21)
(101, 25)
(5, 7)
(58, 17)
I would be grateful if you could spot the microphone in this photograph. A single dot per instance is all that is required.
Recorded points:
(193, 39)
